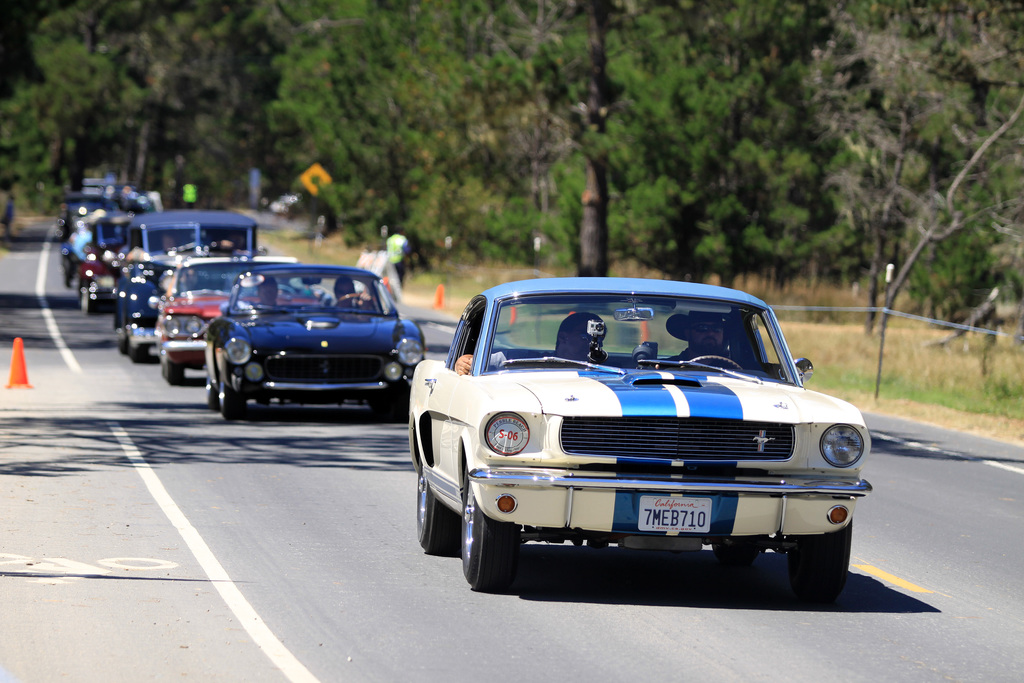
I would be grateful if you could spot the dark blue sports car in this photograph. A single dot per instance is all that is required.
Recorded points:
(304, 333)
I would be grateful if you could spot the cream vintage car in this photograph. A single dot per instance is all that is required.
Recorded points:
(635, 413)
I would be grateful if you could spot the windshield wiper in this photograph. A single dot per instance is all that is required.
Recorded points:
(651, 362)
(554, 360)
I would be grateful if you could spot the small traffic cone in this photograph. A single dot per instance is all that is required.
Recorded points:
(439, 298)
(19, 375)
(387, 285)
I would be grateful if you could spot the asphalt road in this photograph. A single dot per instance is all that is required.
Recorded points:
(142, 537)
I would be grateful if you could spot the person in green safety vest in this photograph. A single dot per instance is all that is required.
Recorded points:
(398, 248)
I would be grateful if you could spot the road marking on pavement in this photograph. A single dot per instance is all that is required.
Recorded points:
(935, 449)
(257, 629)
(895, 580)
(51, 323)
(1004, 466)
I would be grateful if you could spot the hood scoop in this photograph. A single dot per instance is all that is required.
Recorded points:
(321, 323)
(649, 381)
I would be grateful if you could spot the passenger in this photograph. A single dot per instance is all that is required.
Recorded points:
(571, 343)
(267, 291)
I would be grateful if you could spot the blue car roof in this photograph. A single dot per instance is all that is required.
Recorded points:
(200, 216)
(630, 285)
(310, 268)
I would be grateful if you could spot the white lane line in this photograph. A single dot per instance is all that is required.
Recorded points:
(257, 629)
(934, 449)
(1004, 466)
(44, 305)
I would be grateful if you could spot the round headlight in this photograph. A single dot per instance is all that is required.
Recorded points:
(237, 350)
(507, 434)
(392, 372)
(172, 326)
(410, 351)
(193, 325)
(842, 445)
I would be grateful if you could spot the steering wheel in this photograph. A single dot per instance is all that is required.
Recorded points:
(721, 362)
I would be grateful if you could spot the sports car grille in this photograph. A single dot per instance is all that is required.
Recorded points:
(323, 368)
(677, 438)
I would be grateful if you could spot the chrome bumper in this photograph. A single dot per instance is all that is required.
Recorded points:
(184, 345)
(539, 478)
(303, 386)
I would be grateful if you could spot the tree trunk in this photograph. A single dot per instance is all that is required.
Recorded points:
(594, 230)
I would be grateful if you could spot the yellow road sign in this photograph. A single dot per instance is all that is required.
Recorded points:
(314, 178)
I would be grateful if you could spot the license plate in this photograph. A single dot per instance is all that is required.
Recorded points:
(669, 513)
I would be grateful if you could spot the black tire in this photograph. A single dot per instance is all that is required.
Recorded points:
(173, 372)
(138, 354)
(122, 342)
(232, 404)
(490, 549)
(819, 564)
(438, 527)
(393, 407)
(739, 555)
(212, 394)
(88, 304)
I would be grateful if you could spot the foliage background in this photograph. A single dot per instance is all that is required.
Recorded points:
(782, 139)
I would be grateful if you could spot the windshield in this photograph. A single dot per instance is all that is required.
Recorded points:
(172, 239)
(326, 292)
(208, 277)
(657, 332)
(111, 234)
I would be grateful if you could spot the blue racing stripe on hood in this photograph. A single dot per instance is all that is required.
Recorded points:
(710, 400)
(713, 400)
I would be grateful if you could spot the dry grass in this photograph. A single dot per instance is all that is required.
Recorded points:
(974, 384)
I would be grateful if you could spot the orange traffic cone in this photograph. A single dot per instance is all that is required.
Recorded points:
(19, 376)
(387, 285)
(439, 297)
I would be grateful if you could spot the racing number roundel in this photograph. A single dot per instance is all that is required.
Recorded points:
(507, 434)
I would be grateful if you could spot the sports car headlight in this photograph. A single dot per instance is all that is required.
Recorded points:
(842, 445)
(176, 325)
(237, 350)
(410, 351)
(507, 434)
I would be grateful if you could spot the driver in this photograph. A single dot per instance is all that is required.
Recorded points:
(704, 333)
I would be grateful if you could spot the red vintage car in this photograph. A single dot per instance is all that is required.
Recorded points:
(194, 297)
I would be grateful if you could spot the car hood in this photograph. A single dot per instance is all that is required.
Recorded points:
(676, 394)
(344, 333)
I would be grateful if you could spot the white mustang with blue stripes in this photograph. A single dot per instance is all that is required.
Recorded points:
(644, 414)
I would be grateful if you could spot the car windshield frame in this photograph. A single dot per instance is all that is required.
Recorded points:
(526, 327)
(311, 292)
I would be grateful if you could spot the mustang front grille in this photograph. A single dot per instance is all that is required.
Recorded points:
(681, 438)
(323, 368)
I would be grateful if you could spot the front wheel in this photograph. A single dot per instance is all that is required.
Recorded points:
(212, 394)
(232, 404)
(436, 525)
(819, 564)
(173, 372)
(490, 549)
(138, 354)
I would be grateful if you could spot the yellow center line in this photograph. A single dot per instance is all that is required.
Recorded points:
(895, 580)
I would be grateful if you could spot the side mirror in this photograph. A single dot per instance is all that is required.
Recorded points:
(805, 367)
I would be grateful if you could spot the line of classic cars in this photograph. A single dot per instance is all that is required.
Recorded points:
(608, 412)
(181, 283)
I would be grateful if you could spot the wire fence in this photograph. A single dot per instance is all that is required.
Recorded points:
(899, 314)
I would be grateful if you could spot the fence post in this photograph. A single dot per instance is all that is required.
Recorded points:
(885, 317)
